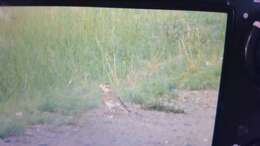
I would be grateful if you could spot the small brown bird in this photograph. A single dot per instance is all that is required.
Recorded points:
(111, 100)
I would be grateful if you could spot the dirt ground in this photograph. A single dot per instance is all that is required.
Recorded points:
(147, 128)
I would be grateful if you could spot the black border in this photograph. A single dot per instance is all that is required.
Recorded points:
(199, 5)
(217, 139)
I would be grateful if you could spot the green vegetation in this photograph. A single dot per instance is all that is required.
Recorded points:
(52, 59)
(10, 126)
(157, 106)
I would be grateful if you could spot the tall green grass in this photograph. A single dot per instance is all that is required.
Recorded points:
(52, 59)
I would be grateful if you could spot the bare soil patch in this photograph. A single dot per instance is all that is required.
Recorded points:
(147, 128)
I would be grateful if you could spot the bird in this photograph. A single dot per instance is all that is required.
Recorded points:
(111, 100)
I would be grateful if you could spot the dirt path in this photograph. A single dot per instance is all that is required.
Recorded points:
(150, 128)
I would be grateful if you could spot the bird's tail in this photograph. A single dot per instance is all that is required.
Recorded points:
(127, 109)
(125, 106)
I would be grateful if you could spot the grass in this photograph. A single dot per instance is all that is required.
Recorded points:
(53, 59)
(10, 126)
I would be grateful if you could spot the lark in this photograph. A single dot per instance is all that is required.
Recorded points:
(111, 100)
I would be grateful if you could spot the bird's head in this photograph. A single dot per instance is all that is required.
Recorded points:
(105, 87)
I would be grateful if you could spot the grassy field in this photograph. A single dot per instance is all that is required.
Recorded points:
(53, 59)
